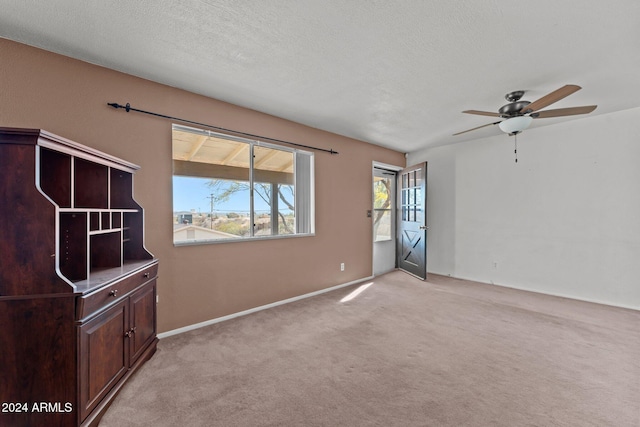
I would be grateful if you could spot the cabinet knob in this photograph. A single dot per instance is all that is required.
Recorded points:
(113, 293)
(146, 275)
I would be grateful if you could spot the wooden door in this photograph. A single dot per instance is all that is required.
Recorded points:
(143, 319)
(104, 355)
(412, 220)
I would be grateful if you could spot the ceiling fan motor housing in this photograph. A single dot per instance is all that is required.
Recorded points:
(514, 106)
(513, 109)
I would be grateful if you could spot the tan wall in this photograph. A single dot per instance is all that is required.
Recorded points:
(43, 90)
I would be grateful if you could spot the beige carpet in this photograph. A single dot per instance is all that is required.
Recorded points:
(402, 353)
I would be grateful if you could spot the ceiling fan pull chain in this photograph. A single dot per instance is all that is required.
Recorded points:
(515, 151)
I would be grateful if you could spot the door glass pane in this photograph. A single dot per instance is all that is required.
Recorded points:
(381, 193)
(382, 225)
(382, 200)
(418, 179)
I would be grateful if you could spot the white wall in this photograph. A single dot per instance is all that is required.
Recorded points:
(564, 220)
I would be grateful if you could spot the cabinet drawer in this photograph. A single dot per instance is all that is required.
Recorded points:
(104, 297)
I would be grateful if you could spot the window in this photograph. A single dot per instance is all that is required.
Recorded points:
(227, 188)
(382, 205)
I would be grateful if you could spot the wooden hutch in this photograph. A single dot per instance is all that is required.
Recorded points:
(77, 286)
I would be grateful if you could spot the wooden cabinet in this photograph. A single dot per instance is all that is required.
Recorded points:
(143, 321)
(112, 342)
(104, 355)
(77, 285)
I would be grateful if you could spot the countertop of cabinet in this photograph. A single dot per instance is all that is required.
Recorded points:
(104, 277)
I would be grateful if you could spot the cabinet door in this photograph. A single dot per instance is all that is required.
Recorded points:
(103, 355)
(143, 319)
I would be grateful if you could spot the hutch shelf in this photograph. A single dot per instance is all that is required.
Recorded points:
(77, 286)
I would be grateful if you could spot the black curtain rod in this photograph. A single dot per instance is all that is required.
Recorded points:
(128, 108)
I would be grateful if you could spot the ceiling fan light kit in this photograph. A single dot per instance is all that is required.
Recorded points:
(515, 125)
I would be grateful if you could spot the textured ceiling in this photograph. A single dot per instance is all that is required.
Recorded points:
(396, 73)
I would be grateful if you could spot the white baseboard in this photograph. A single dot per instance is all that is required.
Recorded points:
(256, 309)
(553, 294)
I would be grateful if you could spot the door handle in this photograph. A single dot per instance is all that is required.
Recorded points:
(424, 227)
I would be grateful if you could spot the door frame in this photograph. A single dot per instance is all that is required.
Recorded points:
(391, 168)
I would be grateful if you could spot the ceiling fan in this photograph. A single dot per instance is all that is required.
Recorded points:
(518, 114)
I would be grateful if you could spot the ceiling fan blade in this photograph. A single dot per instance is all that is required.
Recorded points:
(479, 127)
(560, 112)
(482, 113)
(550, 98)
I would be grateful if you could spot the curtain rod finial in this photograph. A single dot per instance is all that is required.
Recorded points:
(116, 106)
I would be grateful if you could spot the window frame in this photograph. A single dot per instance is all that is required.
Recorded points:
(390, 210)
(308, 222)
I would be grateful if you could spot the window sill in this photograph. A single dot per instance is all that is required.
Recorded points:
(240, 239)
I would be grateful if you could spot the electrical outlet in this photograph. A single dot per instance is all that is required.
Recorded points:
(495, 265)
(342, 266)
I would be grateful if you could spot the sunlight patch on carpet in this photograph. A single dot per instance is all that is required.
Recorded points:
(357, 292)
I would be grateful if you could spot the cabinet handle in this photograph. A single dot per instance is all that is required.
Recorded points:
(113, 293)
(130, 332)
(146, 275)
(127, 334)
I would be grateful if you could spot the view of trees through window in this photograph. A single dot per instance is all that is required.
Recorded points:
(237, 221)
(229, 188)
(382, 198)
